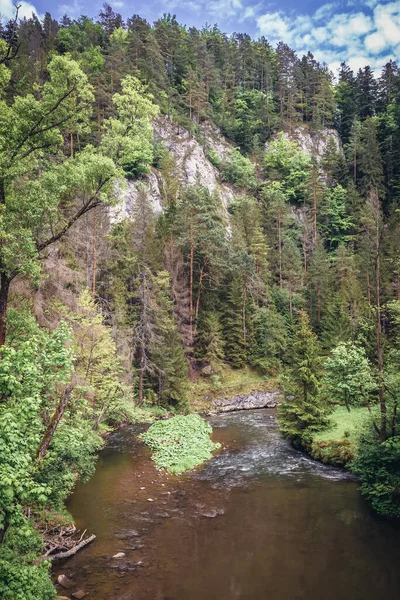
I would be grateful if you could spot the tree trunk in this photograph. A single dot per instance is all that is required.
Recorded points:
(379, 344)
(244, 315)
(191, 279)
(3, 531)
(56, 418)
(368, 289)
(318, 302)
(4, 289)
(280, 254)
(141, 375)
(314, 186)
(94, 262)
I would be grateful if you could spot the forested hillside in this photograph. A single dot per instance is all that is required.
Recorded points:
(177, 205)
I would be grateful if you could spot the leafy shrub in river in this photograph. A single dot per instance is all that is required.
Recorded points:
(180, 443)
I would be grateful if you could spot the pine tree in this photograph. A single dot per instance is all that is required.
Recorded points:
(292, 269)
(210, 343)
(319, 280)
(166, 351)
(335, 221)
(270, 340)
(302, 413)
(234, 325)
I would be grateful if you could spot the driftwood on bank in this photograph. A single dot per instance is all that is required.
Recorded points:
(62, 542)
(71, 551)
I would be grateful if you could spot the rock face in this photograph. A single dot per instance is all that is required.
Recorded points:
(129, 196)
(191, 164)
(313, 143)
(250, 401)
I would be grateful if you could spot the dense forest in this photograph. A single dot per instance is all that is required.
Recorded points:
(278, 252)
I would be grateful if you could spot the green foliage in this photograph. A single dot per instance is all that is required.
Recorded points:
(333, 452)
(377, 466)
(235, 347)
(213, 157)
(19, 578)
(239, 170)
(336, 224)
(270, 337)
(348, 378)
(302, 413)
(33, 371)
(180, 443)
(344, 424)
(210, 344)
(128, 137)
(285, 162)
(195, 285)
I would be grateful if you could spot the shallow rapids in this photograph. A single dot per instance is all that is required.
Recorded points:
(260, 521)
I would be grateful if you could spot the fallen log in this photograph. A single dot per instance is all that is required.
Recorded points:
(71, 551)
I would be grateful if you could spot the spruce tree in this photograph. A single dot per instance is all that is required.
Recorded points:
(233, 324)
(302, 412)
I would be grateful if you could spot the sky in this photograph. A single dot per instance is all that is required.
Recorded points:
(359, 32)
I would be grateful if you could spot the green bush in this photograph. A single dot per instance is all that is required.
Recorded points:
(180, 443)
(333, 452)
(239, 170)
(377, 466)
(213, 157)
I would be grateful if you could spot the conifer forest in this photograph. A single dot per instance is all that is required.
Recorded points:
(187, 216)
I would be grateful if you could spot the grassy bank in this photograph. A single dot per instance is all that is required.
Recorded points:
(338, 443)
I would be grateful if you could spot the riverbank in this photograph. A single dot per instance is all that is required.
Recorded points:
(337, 444)
(227, 528)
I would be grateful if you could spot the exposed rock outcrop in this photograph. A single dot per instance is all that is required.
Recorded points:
(313, 142)
(247, 402)
(191, 166)
(129, 195)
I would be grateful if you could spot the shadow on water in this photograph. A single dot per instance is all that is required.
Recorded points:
(259, 521)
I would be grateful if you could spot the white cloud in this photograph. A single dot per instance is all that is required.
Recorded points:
(371, 3)
(356, 35)
(387, 21)
(73, 10)
(325, 10)
(7, 9)
(345, 28)
(250, 12)
(375, 42)
(275, 26)
(224, 9)
(118, 4)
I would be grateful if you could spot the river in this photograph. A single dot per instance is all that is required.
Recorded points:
(260, 521)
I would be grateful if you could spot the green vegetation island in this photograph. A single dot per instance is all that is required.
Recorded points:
(187, 215)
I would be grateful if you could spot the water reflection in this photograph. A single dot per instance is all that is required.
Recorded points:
(259, 521)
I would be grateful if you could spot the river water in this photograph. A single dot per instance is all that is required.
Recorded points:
(260, 521)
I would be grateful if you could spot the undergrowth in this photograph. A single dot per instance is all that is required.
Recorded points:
(180, 443)
(338, 443)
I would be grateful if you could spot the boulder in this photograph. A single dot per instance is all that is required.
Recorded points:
(247, 402)
(119, 555)
(79, 594)
(64, 581)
